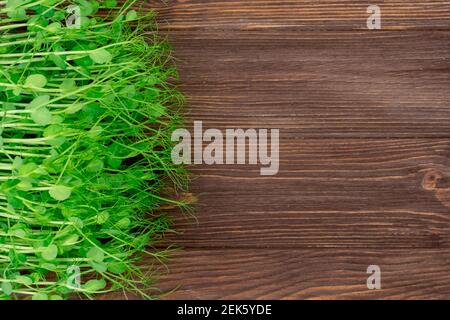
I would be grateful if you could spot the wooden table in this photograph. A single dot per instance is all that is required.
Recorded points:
(364, 119)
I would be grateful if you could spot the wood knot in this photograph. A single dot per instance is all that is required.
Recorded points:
(431, 179)
(439, 183)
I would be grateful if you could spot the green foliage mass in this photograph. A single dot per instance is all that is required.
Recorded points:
(86, 116)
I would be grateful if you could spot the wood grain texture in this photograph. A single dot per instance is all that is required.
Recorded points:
(328, 193)
(329, 84)
(299, 14)
(308, 274)
(364, 119)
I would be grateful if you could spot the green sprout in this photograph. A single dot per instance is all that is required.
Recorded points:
(86, 116)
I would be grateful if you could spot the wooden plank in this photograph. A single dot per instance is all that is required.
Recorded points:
(299, 14)
(345, 84)
(328, 193)
(308, 274)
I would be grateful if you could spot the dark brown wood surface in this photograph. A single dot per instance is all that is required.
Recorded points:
(364, 119)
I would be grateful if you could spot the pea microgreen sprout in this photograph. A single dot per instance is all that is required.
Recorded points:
(86, 116)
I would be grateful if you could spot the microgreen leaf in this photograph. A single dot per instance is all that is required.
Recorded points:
(95, 254)
(36, 80)
(24, 280)
(13, 4)
(131, 15)
(94, 285)
(70, 240)
(123, 223)
(101, 56)
(100, 267)
(40, 101)
(7, 288)
(60, 193)
(39, 296)
(17, 163)
(20, 233)
(73, 108)
(110, 4)
(53, 27)
(58, 60)
(53, 130)
(102, 217)
(17, 14)
(95, 165)
(49, 253)
(117, 267)
(41, 116)
(68, 85)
